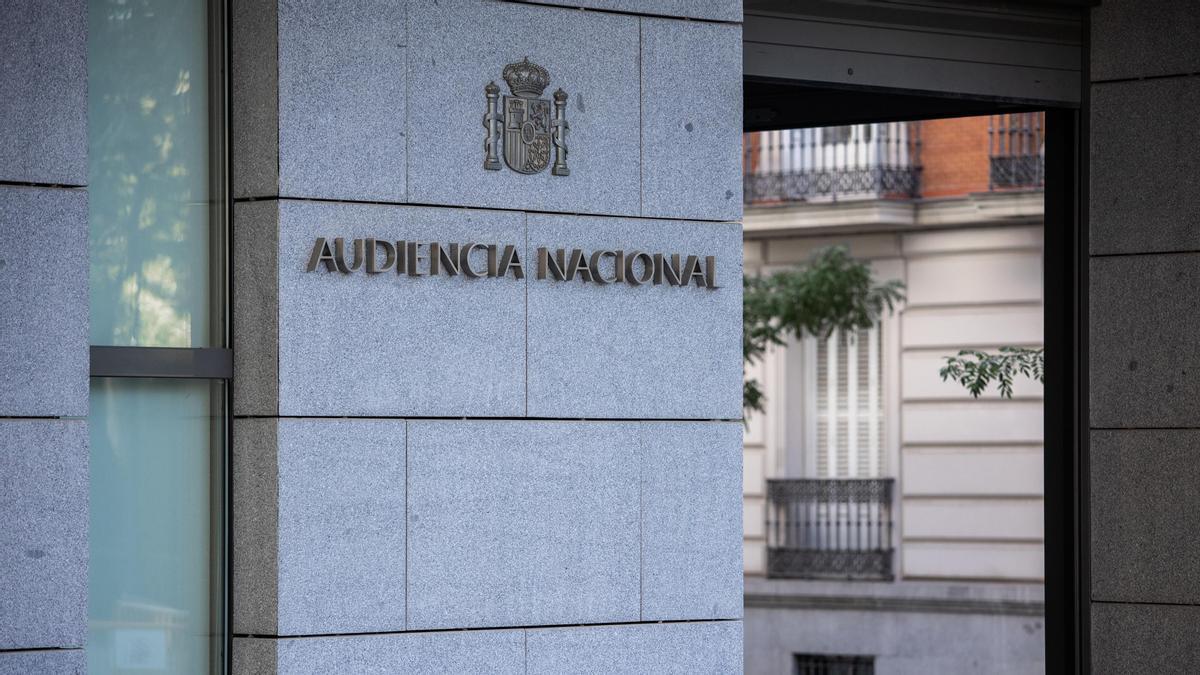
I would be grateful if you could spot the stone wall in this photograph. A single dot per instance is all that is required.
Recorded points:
(43, 337)
(1144, 270)
(553, 465)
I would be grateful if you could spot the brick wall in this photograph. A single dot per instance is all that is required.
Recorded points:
(954, 154)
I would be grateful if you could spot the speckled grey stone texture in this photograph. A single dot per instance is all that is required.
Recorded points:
(44, 540)
(319, 99)
(1141, 38)
(1130, 639)
(1143, 326)
(256, 308)
(341, 100)
(341, 526)
(482, 651)
(340, 533)
(1144, 501)
(691, 120)
(714, 10)
(663, 648)
(43, 92)
(255, 478)
(692, 521)
(255, 656)
(254, 97)
(1143, 166)
(515, 523)
(51, 662)
(636, 352)
(395, 345)
(456, 48)
(43, 302)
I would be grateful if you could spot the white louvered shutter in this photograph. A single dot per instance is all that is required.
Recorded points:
(849, 405)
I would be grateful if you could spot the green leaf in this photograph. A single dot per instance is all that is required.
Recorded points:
(975, 370)
(832, 291)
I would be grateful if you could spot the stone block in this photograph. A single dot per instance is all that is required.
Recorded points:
(254, 97)
(342, 100)
(456, 48)
(692, 521)
(1143, 160)
(691, 120)
(255, 488)
(44, 302)
(1143, 38)
(482, 651)
(44, 92)
(336, 489)
(44, 541)
(332, 94)
(1133, 639)
(385, 344)
(1144, 498)
(256, 308)
(48, 662)
(708, 647)
(1143, 358)
(713, 10)
(648, 351)
(515, 523)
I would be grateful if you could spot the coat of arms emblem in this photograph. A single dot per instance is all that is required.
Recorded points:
(521, 123)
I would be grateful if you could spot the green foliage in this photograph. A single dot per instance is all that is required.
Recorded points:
(975, 370)
(832, 291)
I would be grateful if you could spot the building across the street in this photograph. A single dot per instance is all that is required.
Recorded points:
(891, 520)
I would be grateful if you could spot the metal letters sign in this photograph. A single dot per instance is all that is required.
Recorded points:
(475, 260)
(522, 125)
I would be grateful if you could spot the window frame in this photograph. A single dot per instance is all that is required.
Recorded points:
(214, 364)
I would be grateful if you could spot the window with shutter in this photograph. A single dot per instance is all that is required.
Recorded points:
(848, 397)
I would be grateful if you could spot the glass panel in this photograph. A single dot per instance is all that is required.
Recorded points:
(149, 172)
(156, 495)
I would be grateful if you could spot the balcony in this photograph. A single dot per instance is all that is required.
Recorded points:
(932, 159)
(1016, 151)
(830, 528)
(859, 161)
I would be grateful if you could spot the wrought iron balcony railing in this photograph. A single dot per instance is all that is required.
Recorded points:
(830, 528)
(1016, 150)
(832, 163)
(826, 664)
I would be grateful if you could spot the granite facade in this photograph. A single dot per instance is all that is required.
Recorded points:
(44, 354)
(648, 351)
(319, 536)
(691, 155)
(712, 10)
(691, 556)
(43, 92)
(456, 48)
(1160, 147)
(667, 648)
(1143, 485)
(44, 302)
(44, 540)
(322, 96)
(707, 647)
(419, 454)
(522, 523)
(1143, 450)
(44, 662)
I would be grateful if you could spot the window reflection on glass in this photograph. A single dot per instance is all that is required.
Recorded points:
(149, 172)
(154, 507)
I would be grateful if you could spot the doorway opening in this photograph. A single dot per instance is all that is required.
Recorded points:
(882, 503)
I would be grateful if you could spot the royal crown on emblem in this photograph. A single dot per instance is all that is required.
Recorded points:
(526, 79)
(525, 128)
